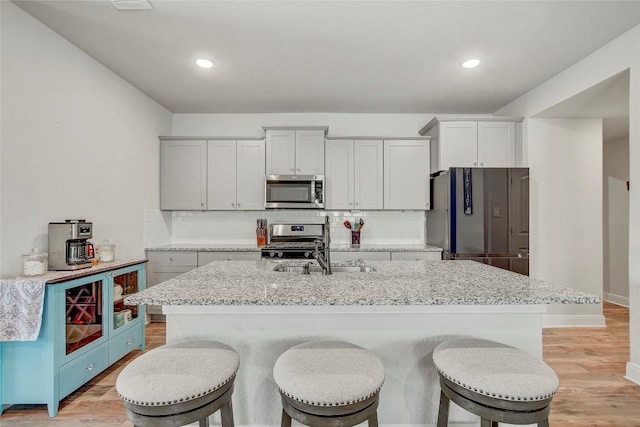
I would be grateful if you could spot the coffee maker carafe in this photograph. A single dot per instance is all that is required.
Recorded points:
(68, 245)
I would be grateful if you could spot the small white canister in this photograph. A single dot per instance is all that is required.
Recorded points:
(106, 252)
(35, 263)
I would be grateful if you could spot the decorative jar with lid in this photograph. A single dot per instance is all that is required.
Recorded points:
(35, 263)
(106, 252)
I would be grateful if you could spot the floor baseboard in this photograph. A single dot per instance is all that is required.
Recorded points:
(616, 299)
(633, 373)
(573, 321)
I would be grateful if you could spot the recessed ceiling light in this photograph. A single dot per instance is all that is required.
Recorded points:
(471, 63)
(204, 63)
(132, 4)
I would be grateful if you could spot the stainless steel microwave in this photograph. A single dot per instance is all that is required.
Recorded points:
(294, 191)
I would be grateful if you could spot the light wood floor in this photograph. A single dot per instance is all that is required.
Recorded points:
(589, 361)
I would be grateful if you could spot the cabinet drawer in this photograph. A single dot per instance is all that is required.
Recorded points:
(365, 256)
(416, 256)
(155, 277)
(123, 343)
(207, 257)
(172, 259)
(78, 371)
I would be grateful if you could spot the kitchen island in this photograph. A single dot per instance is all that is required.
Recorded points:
(400, 311)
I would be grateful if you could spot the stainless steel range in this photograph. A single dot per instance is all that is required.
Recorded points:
(294, 241)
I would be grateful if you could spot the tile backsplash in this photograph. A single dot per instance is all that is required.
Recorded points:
(218, 227)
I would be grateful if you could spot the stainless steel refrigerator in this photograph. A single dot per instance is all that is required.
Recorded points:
(481, 214)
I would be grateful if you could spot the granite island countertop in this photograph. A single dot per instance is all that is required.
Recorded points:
(394, 283)
(337, 247)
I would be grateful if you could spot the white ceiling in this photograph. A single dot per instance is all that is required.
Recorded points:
(608, 100)
(338, 56)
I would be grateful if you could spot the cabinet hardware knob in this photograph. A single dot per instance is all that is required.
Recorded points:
(201, 203)
(89, 367)
(170, 259)
(233, 204)
(238, 204)
(129, 341)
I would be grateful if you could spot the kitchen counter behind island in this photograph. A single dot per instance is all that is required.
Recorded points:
(401, 312)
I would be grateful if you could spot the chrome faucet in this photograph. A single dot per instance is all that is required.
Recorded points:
(324, 256)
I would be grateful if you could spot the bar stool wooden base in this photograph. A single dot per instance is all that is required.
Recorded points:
(491, 411)
(330, 416)
(184, 413)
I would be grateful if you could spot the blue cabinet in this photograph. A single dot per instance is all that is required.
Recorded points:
(86, 327)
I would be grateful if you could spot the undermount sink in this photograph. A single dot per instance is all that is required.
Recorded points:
(300, 268)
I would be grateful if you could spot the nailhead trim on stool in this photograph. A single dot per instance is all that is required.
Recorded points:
(496, 376)
(178, 378)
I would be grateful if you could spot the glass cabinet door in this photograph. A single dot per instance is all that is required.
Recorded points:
(123, 285)
(84, 318)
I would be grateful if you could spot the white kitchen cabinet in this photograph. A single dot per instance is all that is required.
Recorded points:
(207, 257)
(479, 142)
(183, 174)
(363, 255)
(295, 151)
(165, 265)
(496, 144)
(354, 174)
(235, 175)
(406, 174)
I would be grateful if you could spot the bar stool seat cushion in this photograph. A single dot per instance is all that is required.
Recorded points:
(328, 373)
(495, 370)
(176, 373)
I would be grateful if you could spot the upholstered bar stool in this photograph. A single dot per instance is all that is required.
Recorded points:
(178, 384)
(495, 381)
(329, 384)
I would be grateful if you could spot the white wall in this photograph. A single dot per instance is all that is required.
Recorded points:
(565, 161)
(619, 55)
(616, 220)
(76, 141)
(392, 125)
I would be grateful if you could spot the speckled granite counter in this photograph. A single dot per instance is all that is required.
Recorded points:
(394, 283)
(401, 312)
(339, 247)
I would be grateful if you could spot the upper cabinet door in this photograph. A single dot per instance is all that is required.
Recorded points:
(250, 175)
(221, 194)
(406, 174)
(309, 152)
(281, 152)
(339, 174)
(496, 144)
(183, 175)
(458, 144)
(368, 177)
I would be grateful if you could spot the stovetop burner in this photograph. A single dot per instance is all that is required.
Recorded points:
(289, 245)
(293, 241)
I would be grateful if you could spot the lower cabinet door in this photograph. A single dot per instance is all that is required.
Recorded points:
(78, 371)
(123, 343)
